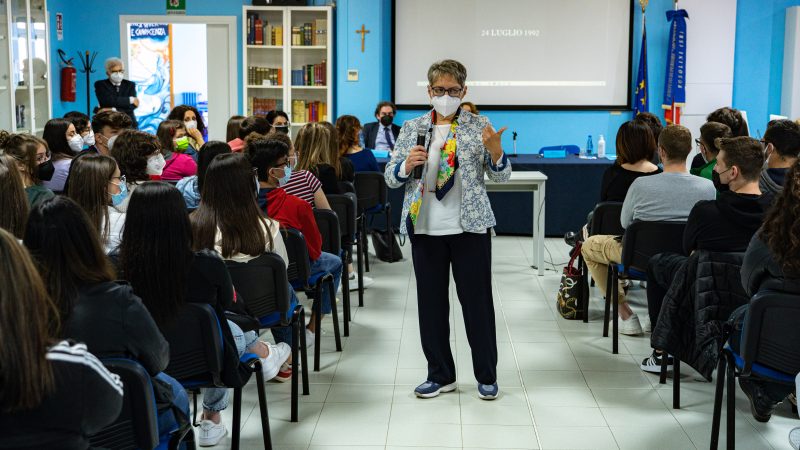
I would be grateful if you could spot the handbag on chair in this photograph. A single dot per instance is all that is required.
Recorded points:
(568, 298)
(386, 247)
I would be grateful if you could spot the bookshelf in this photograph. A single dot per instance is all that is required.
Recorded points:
(287, 58)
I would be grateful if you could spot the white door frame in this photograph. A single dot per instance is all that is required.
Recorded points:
(232, 63)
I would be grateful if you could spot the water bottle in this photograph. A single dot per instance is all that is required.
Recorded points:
(589, 146)
(601, 147)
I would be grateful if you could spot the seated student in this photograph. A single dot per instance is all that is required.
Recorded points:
(731, 117)
(302, 183)
(348, 129)
(64, 143)
(158, 239)
(54, 395)
(666, 196)
(33, 162)
(104, 315)
(196, 131)
(229, 221)
(635, 149)
(382, 134)
(279, 121)
(470, 108)
(250, 125)
(97, 186)
(344, 170)
(311, 144)
(725, 224)
(782, 141)
(654, 123)
(138, 155)
(173, 141)
(233, 127)
(192, 186)
(13, 202)
(83, 126)
(106, 126)
(707, 147)
(771, 262)
(270, 159)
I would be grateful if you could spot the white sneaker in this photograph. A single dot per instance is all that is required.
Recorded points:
(278, 354)
(794, 438)
(309, 338)
(353, 280)
(210, 433)
(630, 327)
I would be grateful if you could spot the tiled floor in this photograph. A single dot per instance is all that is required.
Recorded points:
(561, 388)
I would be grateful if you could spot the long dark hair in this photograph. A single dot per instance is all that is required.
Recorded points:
(167, 130)
(781, 229)
(55, 134)
(635, 142)
(131, 150)
(228, 203)
(232, 129)
(89, 177)
(156, 248)
(207, 153)
(23, 148)
(27, 321)
(67, 250)
(179, 111)
(13, 202)
(347, 127)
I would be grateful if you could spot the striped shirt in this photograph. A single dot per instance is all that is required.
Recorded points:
(303, 184)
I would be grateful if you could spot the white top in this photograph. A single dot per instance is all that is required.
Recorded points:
(439, 218)
(277, 240)
(116, 222)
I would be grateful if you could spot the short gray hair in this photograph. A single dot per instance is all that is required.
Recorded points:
(449, 67)
(113, 61)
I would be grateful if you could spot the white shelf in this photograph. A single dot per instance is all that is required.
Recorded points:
(309, 87)
(263, 86)
(309, 47)
(21, 88)
(265, 47)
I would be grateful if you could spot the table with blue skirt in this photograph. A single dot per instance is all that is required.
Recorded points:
(573, 188)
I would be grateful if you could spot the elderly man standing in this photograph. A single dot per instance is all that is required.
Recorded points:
(115, 92)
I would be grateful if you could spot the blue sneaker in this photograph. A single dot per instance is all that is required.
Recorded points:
(429, 389)
(488, 391)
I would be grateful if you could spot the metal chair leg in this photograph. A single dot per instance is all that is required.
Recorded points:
(718, 402)
(303, 353)
(584, 288)
(237, 418)
(730, 443)
(262, 404)
(664, 368)
(366, 243)
(676, 383)
(297, 325)
(346, 294)
(334, 311)
(360, 269)
(615, 313)
(607, 310)
(317, 306)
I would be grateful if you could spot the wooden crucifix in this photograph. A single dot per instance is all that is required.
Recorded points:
(363, 32)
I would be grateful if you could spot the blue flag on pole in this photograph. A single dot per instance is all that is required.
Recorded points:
(641, 102)
(675, 79)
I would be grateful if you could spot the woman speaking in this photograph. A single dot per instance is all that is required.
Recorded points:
(448, 218)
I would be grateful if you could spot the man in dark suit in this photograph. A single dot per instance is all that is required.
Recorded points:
(116, 92)
(382, 135)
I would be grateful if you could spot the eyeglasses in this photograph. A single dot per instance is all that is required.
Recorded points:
(120, 178)
(42, 158)
(440, 91)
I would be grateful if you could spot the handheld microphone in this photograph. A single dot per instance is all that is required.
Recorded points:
(421, 132)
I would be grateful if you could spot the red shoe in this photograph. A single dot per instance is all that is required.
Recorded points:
(285, 374)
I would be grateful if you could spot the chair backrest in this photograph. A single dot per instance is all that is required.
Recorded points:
(347, 186)
(644, 239)
(299, 264)
(605, 219)
(328, 224)
(771, 332)
(345, 208)
(261, 284)
(136, 425)
(195, 345)
(371, 190)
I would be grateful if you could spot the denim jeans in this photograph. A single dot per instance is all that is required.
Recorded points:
(167, 423)
(217, 399)
(328, 262)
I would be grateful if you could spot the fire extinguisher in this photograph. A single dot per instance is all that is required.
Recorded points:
(69, 78)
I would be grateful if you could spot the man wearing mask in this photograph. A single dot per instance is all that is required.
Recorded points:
(382, 135)
(116, 92)
(106, 126)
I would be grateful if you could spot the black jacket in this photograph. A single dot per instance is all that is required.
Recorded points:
(109, 96)
(725, 224)
(760, 270)
(704, 292)
(371, 133)
(113, 322)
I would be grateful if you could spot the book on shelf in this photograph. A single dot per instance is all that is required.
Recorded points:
(261, 32)
(261, 106)
(264, 76)
(309, 111)
(311, 75)
(320, 32)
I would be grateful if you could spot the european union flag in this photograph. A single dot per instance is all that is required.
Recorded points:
(641, 101)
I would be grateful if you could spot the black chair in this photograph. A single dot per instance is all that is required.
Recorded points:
(605, 221)
(330, 229)
(640, 241)
(373, 198)
(262, 285)
(345, 208)
(768, 348)
(300, 277)
(197, 360)
(136, 426)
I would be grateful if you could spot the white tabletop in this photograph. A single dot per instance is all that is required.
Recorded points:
(522, 177)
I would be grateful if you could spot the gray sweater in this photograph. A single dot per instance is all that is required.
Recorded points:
(666, 196)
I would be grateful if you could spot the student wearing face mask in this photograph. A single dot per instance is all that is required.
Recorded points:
(115, 92)
(382, 135)
(106, 126)
(196, 131)
(172, 137)
(279, 121)
(138, 155)
(64, 143)
(781, 147)
(451, 225)
(83, 126)
(707, 147)
(33, 162)
(98, 187)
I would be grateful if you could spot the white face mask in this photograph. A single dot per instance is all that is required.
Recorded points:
(191, 125)
(89, 138)
(75, 143)
(155, 165)
(116, 77)
(111, 141)
(445, 105)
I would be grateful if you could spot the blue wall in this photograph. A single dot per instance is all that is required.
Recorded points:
(757, 71)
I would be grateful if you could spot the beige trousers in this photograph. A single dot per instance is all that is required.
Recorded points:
(598, 252)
